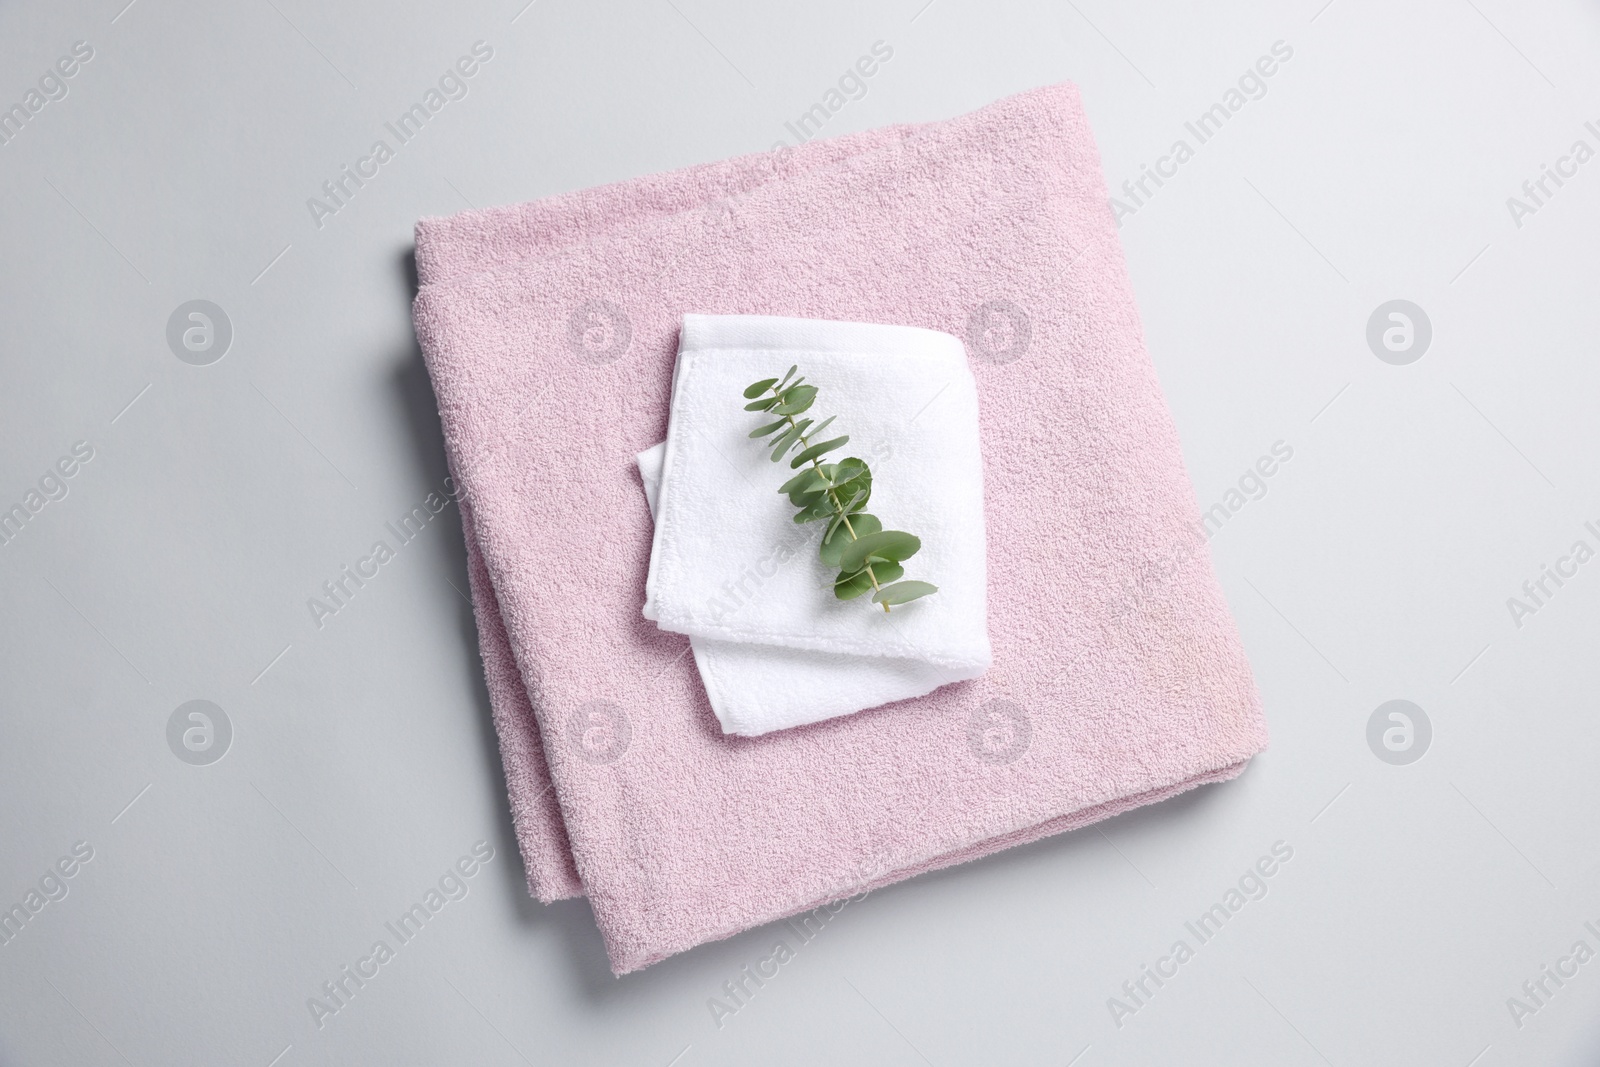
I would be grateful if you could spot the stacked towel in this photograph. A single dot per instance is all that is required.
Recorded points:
(550, 332)
(728, 565)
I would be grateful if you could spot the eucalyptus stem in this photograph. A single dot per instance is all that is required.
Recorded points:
(867, 555)
(833, 494)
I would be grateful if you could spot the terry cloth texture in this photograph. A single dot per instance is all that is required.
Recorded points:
(550, 332)
(729, 566)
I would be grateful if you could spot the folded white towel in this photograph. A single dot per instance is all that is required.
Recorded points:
(729, 566)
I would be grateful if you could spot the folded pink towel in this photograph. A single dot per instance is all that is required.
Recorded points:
(550, 331)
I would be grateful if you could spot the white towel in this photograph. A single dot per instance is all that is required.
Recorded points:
(730, 567)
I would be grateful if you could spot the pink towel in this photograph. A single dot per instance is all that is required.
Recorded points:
(550, 331)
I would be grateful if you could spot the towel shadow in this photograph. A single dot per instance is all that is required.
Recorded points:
(414, 393)
(1185, 809)
(572, 920)
(600, 987)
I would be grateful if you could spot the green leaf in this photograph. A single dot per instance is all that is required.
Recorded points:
(851, 504)
(807, 493)
(802, 482)
(850, 586)
(787, 440)
(761, 405)
(837, 539)
(887, 572)
(902, 592)
(891, 545)
(827, 536)
(817, 450)
(804, 498)
(849, 468)
(753, 391)
(823, 425)
(851, 475)
(811, 496)
(820, 508)
(834, 526)
(852, 478)
(785, 383)
(852, 497)
(796, 399)
(864, 524)
(768, 428)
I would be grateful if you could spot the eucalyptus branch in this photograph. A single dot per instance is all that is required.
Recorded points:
(867, 555)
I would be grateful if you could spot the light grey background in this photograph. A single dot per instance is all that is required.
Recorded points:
(1377, 566)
